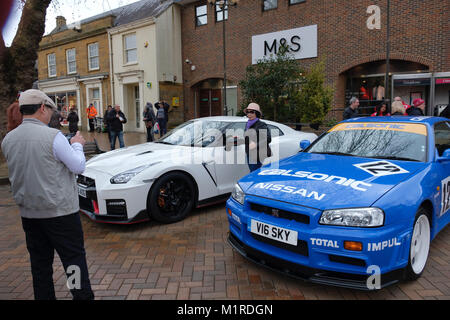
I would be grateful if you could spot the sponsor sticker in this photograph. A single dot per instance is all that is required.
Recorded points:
(405, 127)
(381, 168)
(445, 202)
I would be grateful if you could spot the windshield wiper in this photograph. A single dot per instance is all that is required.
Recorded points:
(394, 158)
(335, 153)
(164, 142)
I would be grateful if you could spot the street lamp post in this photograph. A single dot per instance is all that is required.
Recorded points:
(223, 5)
(388, 48)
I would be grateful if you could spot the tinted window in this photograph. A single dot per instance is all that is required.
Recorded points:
(442, 136)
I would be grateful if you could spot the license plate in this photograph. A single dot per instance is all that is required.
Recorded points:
(274, 232)
(82, 192)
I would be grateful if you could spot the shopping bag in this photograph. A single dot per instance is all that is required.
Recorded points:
(156, 128)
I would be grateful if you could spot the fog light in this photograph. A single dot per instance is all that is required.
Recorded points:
(353, 245)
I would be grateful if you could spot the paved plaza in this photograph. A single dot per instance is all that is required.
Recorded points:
(190, 259)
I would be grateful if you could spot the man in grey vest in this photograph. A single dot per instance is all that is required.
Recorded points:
(42, 167)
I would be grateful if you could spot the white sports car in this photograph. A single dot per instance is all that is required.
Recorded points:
(195, 164)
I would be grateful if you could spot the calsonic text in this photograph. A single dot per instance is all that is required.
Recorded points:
(355, 184)
(290, 189)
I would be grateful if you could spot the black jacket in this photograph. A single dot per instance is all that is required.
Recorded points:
(73, 121)
(115, 124)
(413, 111)
(258, 131)
(350, 113)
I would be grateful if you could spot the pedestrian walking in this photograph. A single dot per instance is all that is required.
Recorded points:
(150, 120)
(42, 167)
(13, 115)
(116, 120)
(162, 115)
(91, 114)
(73, 119)
(352, 110)
(257, 137)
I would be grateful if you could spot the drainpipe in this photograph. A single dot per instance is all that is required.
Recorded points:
(111, 68)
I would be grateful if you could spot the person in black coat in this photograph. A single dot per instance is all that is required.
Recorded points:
(72, 118)
(417, 109)
(352, 110)
(116, 119)
(257, 138)
(150, 120)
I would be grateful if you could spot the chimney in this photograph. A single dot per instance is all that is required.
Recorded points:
(60, 21)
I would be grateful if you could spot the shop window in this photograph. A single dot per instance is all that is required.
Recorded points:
(201, 15)
(270, 4)
(221, 13)
(51, 62)
(93, 56)
(130, 48)
(71, 61)
(369, 90)
(291, 2)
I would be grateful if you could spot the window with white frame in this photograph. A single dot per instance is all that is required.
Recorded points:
(270, 4)
(130, 48)
(51, 62)
(221, 12)
(71, 61)
(93, 56)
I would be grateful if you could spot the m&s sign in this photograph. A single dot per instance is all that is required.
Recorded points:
(302, 43)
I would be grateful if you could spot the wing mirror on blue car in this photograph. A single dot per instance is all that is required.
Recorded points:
(445, 156)
(304, 144)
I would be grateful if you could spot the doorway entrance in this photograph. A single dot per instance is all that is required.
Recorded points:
(210, 102)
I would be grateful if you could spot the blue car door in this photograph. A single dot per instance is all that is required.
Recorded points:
(442, 143)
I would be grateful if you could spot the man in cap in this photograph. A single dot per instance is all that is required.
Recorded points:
(417, 109)
(257, 137)
(42, 167)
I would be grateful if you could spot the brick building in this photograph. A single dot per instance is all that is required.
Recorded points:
(350, 36)
(73, 66)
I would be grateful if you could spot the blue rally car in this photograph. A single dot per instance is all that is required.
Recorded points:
(357, 208)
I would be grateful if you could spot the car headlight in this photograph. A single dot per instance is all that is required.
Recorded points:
(126, 176)
(354, 217)
(238, 194)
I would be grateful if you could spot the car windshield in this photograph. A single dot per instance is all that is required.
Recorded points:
(397, 141)
(199, 133)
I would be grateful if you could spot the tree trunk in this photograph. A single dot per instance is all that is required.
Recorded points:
(17, 63)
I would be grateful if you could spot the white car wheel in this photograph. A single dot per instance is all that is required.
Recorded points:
(420, 246)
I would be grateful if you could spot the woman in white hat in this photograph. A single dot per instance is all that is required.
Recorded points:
(257, 137)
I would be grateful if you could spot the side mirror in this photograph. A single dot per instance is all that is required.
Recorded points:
(304, 144)
(445, 156)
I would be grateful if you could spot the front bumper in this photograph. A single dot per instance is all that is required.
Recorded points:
(104, 202)
(320, 255)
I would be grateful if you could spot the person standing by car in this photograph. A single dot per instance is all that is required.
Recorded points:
(397, 109)
(257, 137)
(380, 110)
(116, 120)
(42, 167)
(150, 120)
(73, 119)
(162, 115)
(351, 111)
(417, 109)
(91, 114)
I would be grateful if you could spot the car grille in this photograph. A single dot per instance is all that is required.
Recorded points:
(279, 213)
(301, 247)
(86, 181)
(91, 194)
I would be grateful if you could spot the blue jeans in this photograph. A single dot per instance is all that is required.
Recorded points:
(162, 126)
(115, 135)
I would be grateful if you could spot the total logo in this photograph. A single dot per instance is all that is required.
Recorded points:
(325, 243)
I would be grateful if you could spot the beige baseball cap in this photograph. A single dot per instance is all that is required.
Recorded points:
(33, 96)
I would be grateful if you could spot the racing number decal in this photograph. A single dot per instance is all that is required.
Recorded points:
(380, 168)
(445, 203)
